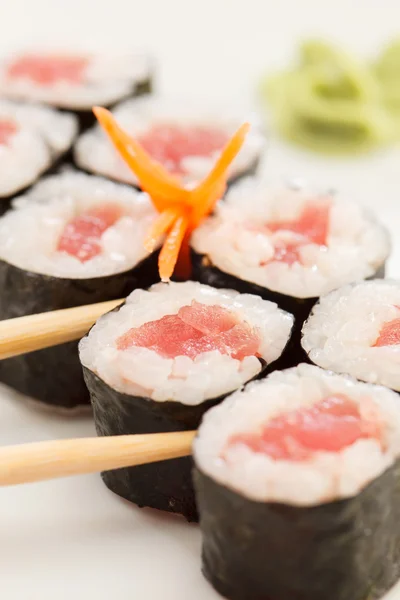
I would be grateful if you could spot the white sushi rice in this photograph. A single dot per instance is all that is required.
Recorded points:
(143, 372)
(107, 78)
(326, 476)
(95, 152)
(43, 134)
(343, 327)
(356, 245)
(55, 201)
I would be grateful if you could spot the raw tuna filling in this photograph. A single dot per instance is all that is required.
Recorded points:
(48, 70)
(171, 144)
(195, 329)
(329, 426)
(82, 236)
(389, 334)
(7, 130)
(311, 227)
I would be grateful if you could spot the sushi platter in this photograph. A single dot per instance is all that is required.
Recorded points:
(155, 281)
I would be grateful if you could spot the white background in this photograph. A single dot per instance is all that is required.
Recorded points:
(72, 538)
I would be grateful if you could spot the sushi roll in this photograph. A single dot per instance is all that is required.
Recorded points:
(356, 330)
(288, 245)
(32, 140)
(184, 137)
(164, 358)
(75, 82)
(297, 481)
(74, 239)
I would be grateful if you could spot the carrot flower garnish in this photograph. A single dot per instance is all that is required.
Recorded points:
(181, 209)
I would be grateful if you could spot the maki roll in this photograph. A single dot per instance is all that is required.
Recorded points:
(73, 240)
(356, 330)
(184, 138)
(32, 139)
(164, 358)
(297, 481)
(75, 82)
(289, 246)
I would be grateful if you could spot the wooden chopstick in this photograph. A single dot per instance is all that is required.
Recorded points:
(34, 332)
(39, 461)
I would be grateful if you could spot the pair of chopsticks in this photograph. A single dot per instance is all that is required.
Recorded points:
(181, 210)
(39, 461)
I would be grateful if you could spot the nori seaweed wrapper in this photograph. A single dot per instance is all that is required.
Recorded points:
(165, 485)
(343, 550)
(205, 272)
(54, 375)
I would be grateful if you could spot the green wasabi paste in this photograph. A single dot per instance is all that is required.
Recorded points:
(334, 104)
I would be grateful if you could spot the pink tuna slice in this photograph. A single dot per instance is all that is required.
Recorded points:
(166, 336)
(238, 343)
(330, 425)
(7, 130)
(389, 335)
(81, 236)
(312, 225)
(170, 144)
(287, 253)
(196, 328)
(207, 319)
(48, 70)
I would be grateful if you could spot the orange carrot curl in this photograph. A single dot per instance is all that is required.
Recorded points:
(181, 209)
